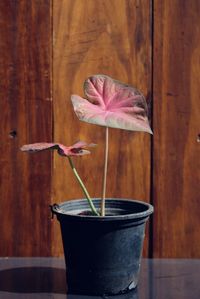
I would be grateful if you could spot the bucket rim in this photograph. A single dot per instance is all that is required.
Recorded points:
(68, 208)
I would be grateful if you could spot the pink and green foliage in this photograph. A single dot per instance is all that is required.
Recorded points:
(108, 103)
(111, 103)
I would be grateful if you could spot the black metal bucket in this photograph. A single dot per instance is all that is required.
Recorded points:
(102, 254)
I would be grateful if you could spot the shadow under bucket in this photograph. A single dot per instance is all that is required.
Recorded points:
(102, 254)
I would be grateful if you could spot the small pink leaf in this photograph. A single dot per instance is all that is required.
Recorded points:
(113, 104)
(78, 149)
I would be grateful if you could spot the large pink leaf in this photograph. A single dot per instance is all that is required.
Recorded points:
(77, 149)
(113, 104)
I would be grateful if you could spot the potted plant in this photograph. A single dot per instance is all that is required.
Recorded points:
(102, 238)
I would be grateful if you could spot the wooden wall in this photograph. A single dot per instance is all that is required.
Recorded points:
(26, 116)
(47, 49)
(176, 121)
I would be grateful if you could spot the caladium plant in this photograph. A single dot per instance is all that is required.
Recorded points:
(107, 103)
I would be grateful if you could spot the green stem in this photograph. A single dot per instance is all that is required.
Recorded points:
(83, 187)
(105, 175)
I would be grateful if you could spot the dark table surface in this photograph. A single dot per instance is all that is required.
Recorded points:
(33, 278)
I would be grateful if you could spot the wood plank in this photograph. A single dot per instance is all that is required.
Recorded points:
(26, 117)
(114, 38)
(176, 176)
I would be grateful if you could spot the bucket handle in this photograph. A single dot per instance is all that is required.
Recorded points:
(53, 209)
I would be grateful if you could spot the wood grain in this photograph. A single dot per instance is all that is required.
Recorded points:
(176, 172)
(26, 117)
(113, 38)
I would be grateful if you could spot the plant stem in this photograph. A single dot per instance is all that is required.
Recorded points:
(104, 174)
(83, 187)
